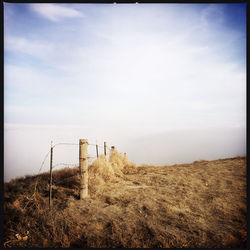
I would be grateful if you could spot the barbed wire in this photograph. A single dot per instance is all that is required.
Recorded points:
(40, 171)
(33, 196)
(67, 164)
(43, 161)
(89, 157)
(76, 144)
(92, 144)
(71, 164)
(65, 143)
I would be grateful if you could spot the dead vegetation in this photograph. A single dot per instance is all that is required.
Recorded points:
(202, 204)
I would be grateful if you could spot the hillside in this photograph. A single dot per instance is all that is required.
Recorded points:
(202, 204)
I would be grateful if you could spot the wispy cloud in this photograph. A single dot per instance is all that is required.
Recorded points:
(181, 76)
(55, 12)
(35, 48)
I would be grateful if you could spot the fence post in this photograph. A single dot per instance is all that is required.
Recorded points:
(112, 151)
(96, 150)
(105, 148)
(50, 184)
(83, 164)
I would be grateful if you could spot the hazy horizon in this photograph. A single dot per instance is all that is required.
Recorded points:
(171, 147)
(165, 83)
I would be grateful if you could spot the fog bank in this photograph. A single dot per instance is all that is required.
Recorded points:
(25, 146)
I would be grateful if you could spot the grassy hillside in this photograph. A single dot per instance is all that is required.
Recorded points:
(202, 204)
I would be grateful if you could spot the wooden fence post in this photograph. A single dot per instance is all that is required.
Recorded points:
(112, 151)
(96, 150)
(105, 148)
(83, 164)
(50, 184)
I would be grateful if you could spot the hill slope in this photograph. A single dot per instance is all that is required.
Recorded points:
(202, 204)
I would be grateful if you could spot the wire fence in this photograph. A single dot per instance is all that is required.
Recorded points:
(90, 159)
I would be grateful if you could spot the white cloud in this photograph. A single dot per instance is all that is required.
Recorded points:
(36, 48)
(30, 80)
(58, 55)
(55, 12)
(140, 70)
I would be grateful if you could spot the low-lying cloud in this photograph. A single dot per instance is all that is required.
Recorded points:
(26, 145)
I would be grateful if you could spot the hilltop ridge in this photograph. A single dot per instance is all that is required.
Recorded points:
(202, 204)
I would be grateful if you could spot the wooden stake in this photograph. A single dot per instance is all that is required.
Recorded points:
(112, 151)
(96, 150)
(83, 164)
(105, 148)
(50, 184)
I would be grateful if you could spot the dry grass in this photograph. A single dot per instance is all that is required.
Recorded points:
(202, 204)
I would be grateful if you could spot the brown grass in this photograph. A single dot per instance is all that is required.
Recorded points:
(202, 204)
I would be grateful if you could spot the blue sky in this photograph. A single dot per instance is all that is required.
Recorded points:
(124, 69)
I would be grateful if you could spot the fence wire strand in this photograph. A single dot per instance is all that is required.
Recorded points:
(43, 161)
(91, 144)
(76, 144)
(40, 171)
(65, 143)
(90, 158)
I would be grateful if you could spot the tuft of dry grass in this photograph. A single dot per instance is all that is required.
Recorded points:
(202, 204)
(121, 164)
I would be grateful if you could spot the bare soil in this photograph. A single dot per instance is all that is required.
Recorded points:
(202, 204)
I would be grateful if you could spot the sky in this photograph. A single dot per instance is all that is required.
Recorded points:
(165, 83)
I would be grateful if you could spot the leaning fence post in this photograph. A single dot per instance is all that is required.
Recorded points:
(50, 184)
(83, 164)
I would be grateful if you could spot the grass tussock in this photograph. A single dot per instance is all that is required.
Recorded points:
(121, 164)
(202, 204)
(104, 170)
